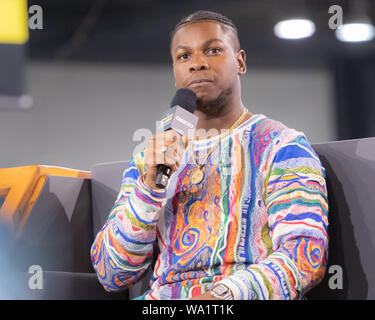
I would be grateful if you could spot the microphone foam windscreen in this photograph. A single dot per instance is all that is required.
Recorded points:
(185, 98)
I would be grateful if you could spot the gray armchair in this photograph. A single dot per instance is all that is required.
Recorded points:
(70, 211)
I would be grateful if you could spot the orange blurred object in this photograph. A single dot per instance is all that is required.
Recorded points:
(20, 188)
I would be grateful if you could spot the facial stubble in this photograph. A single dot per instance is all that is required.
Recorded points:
(214, 107)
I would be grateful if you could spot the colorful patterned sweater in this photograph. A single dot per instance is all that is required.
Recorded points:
(257, 222)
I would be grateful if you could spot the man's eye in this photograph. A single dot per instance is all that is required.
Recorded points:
(214, 50)
(183, 56)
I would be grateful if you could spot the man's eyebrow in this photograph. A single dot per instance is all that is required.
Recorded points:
(205, 44)
(208, 42)
(181, 47)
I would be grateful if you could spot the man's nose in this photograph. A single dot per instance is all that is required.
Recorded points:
(198, 64)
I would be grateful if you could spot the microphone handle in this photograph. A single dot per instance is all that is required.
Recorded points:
(162, 176)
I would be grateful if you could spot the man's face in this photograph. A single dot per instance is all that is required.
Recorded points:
(205, 60)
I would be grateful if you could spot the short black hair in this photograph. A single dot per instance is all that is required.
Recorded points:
(203, 15)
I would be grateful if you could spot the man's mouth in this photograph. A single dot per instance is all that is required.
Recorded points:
(200, 82)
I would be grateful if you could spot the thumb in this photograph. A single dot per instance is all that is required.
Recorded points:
(185, 140)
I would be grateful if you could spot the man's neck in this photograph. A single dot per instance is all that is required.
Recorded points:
(227, 116)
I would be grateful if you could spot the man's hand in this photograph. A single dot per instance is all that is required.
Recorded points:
(204, 296)
(154, 155)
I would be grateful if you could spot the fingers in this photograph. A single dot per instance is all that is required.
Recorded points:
(172, 162)
(176, 149)
(173, 155)
(174, 144)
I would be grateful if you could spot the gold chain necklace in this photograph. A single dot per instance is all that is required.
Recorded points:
(197, 176)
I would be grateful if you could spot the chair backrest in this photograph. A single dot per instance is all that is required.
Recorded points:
(57, 234)
(106, 179)
(350, 170)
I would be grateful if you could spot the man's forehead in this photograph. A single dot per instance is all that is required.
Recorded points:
(201, 32)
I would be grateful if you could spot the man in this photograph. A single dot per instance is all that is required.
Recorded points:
(244, 215)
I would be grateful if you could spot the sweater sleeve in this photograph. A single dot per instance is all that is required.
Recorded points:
(122, 250)
(295, 196)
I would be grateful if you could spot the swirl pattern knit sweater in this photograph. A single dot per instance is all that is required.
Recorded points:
(257, 222)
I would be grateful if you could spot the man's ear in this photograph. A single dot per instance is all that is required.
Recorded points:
(241, 61)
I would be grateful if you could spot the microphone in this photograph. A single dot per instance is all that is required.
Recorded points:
(180, 118)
